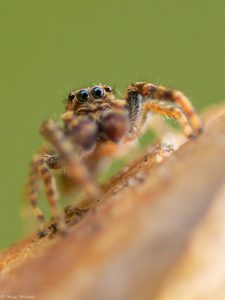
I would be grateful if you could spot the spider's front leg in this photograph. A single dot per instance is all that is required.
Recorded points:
(69, 149)
(171, 112)
(40, 169)
(69, 153)
(140, 94)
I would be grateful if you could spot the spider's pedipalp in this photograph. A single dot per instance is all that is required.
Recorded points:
(135, 107)
(114, 125)
(76, 169)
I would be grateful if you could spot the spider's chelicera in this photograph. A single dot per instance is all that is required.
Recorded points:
(94, 121)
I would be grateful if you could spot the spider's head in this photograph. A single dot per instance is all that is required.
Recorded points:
(89, 98)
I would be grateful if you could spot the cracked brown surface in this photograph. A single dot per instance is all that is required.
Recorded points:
(125, 247)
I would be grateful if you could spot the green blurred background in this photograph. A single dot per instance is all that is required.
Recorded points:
(49, 47)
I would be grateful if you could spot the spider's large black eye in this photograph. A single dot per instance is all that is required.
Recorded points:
(97, 92)
(82, 96)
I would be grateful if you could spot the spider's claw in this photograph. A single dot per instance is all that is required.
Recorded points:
(200, 130)
(191, 136)
(196, 133)
(41, 234)
(62, 229)
(63, 232)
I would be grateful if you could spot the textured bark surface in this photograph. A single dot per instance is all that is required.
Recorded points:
(156, 234)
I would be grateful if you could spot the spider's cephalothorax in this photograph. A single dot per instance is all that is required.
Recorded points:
(94, 114)
(93, 117)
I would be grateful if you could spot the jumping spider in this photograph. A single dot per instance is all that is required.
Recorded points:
(95, 118)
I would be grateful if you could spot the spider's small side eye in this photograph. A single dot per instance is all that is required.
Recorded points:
(97, 92)
(82, 96)
(108, 89)
(71, 96)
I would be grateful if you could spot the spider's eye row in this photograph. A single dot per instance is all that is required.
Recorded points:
(108, 89)
(97, 92)
(82, 96)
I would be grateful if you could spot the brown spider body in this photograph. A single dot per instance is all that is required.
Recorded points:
(94, 119)
(100, 119)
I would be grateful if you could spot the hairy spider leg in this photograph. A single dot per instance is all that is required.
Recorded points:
(33, 192)
(51, 192)
(40, 170)
(171, 112)
(67, 150)
(141, 92)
